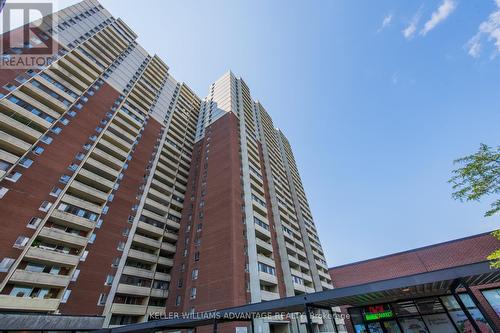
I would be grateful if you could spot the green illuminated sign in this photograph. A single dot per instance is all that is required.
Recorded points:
(379, 315)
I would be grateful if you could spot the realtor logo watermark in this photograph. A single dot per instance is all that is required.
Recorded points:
(24, 44)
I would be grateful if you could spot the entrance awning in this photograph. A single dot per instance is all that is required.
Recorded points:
(432, 283)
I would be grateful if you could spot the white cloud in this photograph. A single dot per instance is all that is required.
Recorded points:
(438, 16)
(387, 22)
(395, 78)
(489, 28)
(410, 30)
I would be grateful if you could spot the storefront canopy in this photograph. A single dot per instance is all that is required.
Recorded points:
(432, 283)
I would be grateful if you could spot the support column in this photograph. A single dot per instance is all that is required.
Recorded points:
(309, 325)
(215, 326)
(466, 312)
(335, 329)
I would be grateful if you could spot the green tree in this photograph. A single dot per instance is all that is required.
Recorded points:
(478, 177)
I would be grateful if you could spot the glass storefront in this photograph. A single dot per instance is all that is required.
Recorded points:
(493, 297)
(430, 315)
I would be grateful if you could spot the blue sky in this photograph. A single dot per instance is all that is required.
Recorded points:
(376, 112)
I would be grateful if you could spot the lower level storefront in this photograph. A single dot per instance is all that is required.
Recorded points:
(439, 314)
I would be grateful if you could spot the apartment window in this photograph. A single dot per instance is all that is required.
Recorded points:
(3, 191)
(38, 150)
(266, 269)
(99, 223)
(183, 267)
(126, 232)
(194, 274)
(14, 176)
(74, 277)
(45, 206)
(84, 255)
(21, 242)
(46, 139)
(102, 299)
(121, 246)
(199, 227)
(179, 283)
(197, 256)
(25, 162)
(92, 238)
(80, 156)
(34, 222)
(73, 167)
(56, 130)
(64, 121)
(55, 191)
(192, 294)
(5, 264)
(178, 300)
(65, 297)
(115, 262)
(64, 179)
(109, 280)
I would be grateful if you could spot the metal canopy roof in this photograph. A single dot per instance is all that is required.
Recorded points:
(412, 286)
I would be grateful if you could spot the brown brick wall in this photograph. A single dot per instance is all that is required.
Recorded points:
(221, 281)
(90, 284)
(22, 201)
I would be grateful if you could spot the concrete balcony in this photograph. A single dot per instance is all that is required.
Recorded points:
(28, 303)
(266, 247)
(13, 144)
(293, 260)
(71, 220)
(144, 273)
(94, 180)
(168, 247)
(116, 152)
(310, 290)
(120, 130)
(170, 236)
(266, 260)
(147, 257)
(149, 228)
(268, 278)
(52, 256)
(25, 113)
(128, 309)
(262, 231)
(326, 285)
(299, 287)
(36, 103)
(88, 192)
(40, 279)
(15, 126)
(119, 142)
(102, 169)
(172, 224)
(124, 125)
(43, 97)
(147, 241)
(268, 295)
(163, 293)
(156, 206)
(129, 119)
(107, 159)
(59, 236)
(158, 195)
(8, 157)
(165, 261)
(81, 203)
(162, 276)
(132, 290)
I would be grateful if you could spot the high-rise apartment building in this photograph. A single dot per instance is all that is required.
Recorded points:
(122, 193)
